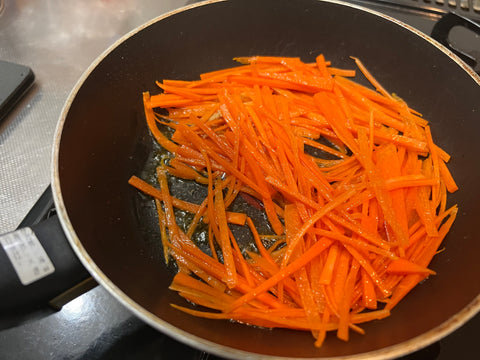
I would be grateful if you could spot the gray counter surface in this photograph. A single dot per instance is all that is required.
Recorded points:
(57, 39)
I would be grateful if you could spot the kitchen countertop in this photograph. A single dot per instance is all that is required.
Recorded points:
(58, 40)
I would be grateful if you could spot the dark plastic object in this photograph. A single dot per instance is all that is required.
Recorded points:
(441, 31)
(21, 299)
(15, 80)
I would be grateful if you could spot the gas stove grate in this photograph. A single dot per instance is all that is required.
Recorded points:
(467, 8)
(467, 5)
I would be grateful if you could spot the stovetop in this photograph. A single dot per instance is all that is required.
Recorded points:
(94, 325)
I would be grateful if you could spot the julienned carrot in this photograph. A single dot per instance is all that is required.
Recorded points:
(283, 273)
(352, 185)
(232, 217)
(403, 267)
(296, 321)
(224, 240)
(159, 136)
(370, 78)
(163, 229)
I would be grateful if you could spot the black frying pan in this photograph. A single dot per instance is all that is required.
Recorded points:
(102, 140)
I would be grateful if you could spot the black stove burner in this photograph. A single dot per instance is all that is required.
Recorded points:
(95, 325)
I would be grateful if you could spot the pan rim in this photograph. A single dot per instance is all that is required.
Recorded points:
(393, 351)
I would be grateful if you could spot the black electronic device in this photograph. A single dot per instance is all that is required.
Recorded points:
(15, 80)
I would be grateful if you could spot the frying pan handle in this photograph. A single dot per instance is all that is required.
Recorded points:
(36, 265)
(442, 28)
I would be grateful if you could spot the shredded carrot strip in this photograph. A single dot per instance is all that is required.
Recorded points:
(348, 178)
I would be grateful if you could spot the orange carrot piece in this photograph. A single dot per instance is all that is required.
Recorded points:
(435, 163)
(265, 254)
(225, 238)
(163, 229)
(282, 83)
(152, 125)
(344, 306)
(405, 267)
(308, 302)
(369, 296)
(167, 203)
(341, 72)
(426, 211)
(447, 177)
(370, 78)
(404, 181)
(327, 272)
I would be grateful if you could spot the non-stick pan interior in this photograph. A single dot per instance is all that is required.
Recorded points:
(104, 141)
